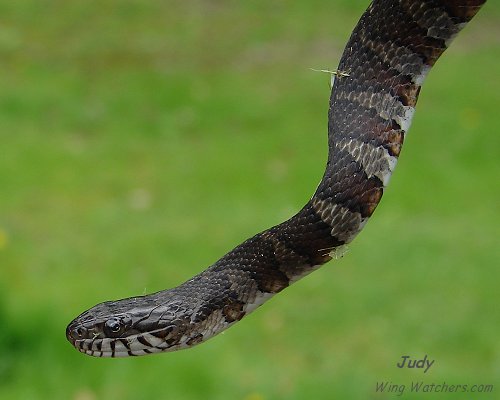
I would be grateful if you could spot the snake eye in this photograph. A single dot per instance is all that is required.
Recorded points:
(112, 326)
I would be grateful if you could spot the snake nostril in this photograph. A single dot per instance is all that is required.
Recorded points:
(74, 333)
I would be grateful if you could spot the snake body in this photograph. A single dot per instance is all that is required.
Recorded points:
(390, 52)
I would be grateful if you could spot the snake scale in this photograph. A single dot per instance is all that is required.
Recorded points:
(390, 52)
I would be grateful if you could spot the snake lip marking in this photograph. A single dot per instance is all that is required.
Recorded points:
(372, 102)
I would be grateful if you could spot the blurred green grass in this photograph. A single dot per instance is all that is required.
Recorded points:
(142, 140)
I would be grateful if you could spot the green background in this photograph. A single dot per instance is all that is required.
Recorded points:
(141, 140)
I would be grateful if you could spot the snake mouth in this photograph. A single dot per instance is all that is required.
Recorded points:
(133, 345)
(118, 347)
(113, 348)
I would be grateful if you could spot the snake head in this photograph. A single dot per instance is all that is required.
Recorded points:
(134, 326)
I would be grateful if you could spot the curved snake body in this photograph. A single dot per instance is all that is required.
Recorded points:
(373, 98)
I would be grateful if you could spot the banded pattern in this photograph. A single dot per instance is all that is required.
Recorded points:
(390, 52)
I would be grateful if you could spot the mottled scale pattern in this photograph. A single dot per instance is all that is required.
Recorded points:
(375, 90)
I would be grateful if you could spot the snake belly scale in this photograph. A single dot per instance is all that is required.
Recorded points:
(373, 98)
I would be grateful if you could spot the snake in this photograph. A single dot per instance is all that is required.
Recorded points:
(372, 102)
